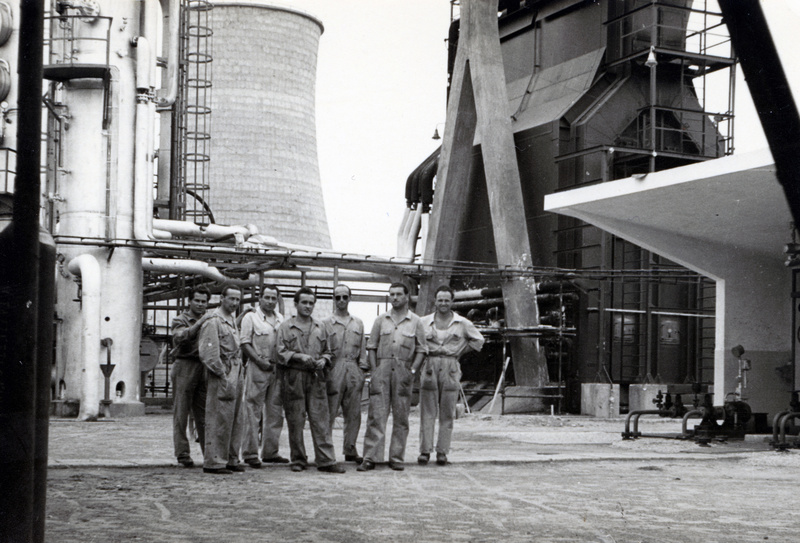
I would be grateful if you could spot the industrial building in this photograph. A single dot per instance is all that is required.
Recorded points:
(597, 320)
(585, 200)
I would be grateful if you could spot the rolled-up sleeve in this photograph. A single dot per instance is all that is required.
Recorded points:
(419, 334)
(475, 339)
(246, 334)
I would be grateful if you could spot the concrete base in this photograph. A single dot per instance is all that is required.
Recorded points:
(126, 409)
(69, 409)
(520, 399)
(600, 400)
(642, 396)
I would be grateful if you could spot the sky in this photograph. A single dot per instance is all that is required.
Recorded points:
(381, 83)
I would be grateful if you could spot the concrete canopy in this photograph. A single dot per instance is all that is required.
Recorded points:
(700, 215)
(727, 219)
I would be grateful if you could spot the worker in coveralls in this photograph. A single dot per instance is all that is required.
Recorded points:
(218, 343)
(448, 335)
(396, 349)
(188, 376)
(346, 379)
(304, 358)
(263, 406)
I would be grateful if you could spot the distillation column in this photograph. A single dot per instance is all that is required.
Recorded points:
(100, 144)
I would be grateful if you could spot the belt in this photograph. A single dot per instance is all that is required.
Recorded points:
(442, 357)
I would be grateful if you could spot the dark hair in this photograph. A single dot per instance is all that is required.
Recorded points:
(445, 288)
(226, 288)
(269, 286)
(200, 289)
(341, 285)
(399, 285)
(304, 290)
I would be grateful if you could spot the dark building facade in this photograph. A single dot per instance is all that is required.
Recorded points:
(601, 90)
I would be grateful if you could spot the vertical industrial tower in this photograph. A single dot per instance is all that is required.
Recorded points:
(264, 169)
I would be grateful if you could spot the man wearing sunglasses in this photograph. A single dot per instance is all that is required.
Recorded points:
(346, 379)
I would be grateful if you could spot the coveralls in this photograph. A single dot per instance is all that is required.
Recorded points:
(396, 343)
(189, 381)
(346, 380)
(218, 343)
(304, 389)
(440, 377)
(262, 388)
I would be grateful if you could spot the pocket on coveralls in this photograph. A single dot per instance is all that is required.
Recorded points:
(228, 385)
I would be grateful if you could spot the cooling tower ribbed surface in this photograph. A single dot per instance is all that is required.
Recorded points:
(264, 167)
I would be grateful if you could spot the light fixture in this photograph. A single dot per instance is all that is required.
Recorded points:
(436, 135)
(651, 61)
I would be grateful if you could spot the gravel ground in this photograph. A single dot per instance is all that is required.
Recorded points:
(513, 478)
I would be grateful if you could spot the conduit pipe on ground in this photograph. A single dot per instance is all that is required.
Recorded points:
(696, 413)
(197, 267)
(786, 418)
(172, 8)
(87, 267)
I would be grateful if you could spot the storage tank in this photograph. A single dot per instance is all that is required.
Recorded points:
(264, 167)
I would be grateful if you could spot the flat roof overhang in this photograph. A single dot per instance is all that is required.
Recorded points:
(703, 216)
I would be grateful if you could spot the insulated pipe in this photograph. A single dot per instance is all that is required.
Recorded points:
(89, 270)
(203, 268)
(211, 231)
(173, 9)
(196, 267)
(142, 218)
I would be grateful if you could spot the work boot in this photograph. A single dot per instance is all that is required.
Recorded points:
(276, 460)
(254, 463)
(441, 459)
(423, 458)
(218, 471)
(186, 462)
(366, 465)
(333, 468)
(298, 468)
(235, 467)
(353, 458)
(397, 466)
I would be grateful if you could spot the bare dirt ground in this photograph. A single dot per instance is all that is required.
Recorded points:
(513, 478)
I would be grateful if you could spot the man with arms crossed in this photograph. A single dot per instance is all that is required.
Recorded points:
(449, 335)
(218, 344)
(346, 380)
(189, 376)
(395, 350)
(303, 356)
(262, 388)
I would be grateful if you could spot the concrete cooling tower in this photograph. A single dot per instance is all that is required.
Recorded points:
(264, 168)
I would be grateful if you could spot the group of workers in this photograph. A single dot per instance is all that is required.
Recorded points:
(239, 378)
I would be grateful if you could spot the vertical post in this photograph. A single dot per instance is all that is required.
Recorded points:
(19, 318)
